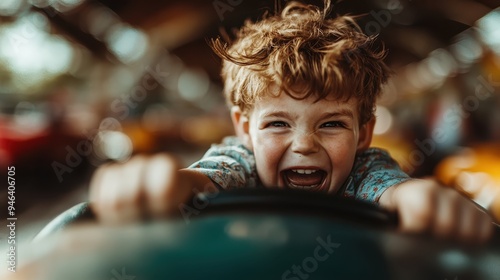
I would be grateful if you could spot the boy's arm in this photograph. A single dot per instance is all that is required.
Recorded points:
(422, 205)
(143, 187)
(228, 165)
(373, 173)
(154, 186)
(425, 206)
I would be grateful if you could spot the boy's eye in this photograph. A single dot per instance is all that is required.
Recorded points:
(277, 124)
(333, 124)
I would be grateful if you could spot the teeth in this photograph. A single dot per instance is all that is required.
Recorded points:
(304, 171)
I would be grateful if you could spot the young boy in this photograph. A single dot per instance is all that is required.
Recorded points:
(302, 90)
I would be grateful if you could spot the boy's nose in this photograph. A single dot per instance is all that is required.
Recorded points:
(305, 143)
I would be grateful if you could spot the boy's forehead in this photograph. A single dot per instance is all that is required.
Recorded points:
(300, 89)
(273, 95)
(332, 97)
(283, 103)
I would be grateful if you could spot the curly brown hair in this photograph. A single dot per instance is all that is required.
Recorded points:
(302, 47)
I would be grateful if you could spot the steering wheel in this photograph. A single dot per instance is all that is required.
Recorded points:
(294, 202)
(271, 234)
(258, 200)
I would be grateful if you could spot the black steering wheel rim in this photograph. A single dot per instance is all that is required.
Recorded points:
(257, 201)
(293, 202)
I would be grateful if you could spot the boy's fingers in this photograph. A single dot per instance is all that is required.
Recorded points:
(460, 219)
(95, 183)
(130, 206)
(416, 208)
(417, 220)
(96, 189)
(448, 209)
(486, 229)
(108, 195)
(116, 191)
(475, 225)
(163, 190)
(144, 185)
(470, 223)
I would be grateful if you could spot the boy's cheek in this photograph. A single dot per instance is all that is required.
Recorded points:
(270, 147)
(268, 153)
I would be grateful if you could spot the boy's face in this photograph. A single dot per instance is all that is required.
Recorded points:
(304, 144)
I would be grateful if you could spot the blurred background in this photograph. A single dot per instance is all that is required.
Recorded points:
(83, 82)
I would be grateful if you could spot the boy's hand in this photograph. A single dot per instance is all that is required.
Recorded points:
(425, 206)
(142, 187)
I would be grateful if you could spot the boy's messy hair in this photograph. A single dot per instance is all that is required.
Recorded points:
(301, 47)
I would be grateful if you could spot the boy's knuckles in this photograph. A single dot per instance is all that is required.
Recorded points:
(159, 189)
(467, 229)
(423, 219)
(170, 198)
(455, 197)
(169, 161)
(475, 225)
(419, 206)
(137, 159)
(160, 200)
(445, 227)
(115, 205)
(96, 182)
(161, 175)
(135, 198)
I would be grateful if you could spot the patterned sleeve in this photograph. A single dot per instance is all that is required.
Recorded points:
(229, 165)
(374, 172)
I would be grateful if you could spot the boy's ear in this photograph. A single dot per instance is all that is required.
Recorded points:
(366, 134)
(241, 125)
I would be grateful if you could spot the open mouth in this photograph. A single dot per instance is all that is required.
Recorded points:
(305, 179)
